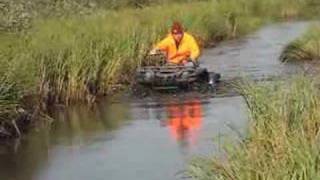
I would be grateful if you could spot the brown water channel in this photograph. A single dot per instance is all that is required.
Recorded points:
(151, 138)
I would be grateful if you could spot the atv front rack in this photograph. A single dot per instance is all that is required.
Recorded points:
(166, 75)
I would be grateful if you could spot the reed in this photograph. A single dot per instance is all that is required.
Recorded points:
(9, 97)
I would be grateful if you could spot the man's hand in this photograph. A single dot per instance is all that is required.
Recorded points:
(185, 61)
(190, 62)
(154, 51)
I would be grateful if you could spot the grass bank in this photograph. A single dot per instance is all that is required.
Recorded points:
(58, 56)
(306, 47)
(282, 140)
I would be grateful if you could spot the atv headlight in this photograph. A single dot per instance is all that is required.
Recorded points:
(185, 75)
(149, 76)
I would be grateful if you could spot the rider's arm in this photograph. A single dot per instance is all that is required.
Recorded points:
(163, 45)
(194, 49)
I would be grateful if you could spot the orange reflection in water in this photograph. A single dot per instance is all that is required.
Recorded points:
(184, 121)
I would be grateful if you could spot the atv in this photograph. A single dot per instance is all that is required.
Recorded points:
(167, 76)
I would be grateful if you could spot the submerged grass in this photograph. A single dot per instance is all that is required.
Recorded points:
(306, 47)
(282, 140)
(60, 56)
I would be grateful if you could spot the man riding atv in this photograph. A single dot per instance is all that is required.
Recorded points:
(181, 69)
(179, 47)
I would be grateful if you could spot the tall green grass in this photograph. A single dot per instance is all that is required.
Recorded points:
(306, 47)
(61, 55)
(9, 103)
(9, 97)
(282, 140)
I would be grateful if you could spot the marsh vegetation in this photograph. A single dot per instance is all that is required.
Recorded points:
(282, 139)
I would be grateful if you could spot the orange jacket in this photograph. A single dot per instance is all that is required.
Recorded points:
(188, 47)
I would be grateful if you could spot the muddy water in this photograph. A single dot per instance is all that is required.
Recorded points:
(150, 138)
